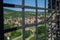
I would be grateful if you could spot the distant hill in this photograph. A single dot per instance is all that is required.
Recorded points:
(14, 14)
(21, 11)
(10, 13)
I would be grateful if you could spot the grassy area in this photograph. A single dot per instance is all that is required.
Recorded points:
(33, 38)
(16, 33)
(41, 30)
(27, 33)
(12, 14)
(7, 26)
(20, 39)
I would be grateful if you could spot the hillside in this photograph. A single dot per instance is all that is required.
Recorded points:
(14, 14)
(10, 16)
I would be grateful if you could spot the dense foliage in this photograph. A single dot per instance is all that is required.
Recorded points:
(41, 29)
(16, 33)
(27, 33)
(7, 26)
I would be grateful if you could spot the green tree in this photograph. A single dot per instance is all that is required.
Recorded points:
(27, 33)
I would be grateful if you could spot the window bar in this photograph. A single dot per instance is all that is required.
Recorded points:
(23, 19)
(45, 19)
(36, 20)
(59, 24)
(59, 14)
(56, 17)
(51, 20)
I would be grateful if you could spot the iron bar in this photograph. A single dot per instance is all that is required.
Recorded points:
(56, 19)
(23, 19)
(45, 20)
(51, 20)
(36, 20)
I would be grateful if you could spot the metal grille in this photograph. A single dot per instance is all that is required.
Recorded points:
(52, 12)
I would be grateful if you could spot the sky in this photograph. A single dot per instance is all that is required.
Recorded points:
(27, 3)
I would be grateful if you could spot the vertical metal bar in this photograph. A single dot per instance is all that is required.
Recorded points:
(36, 20)
(23, 19)
(45, 20)
(56, 18)
(51, 20)
(56, 9)
(1, 21)
(58, 36)
(59, 14)
(56, 6)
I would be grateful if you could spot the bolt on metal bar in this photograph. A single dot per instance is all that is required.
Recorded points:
(36, 20)
(45, 20)
(23, 19)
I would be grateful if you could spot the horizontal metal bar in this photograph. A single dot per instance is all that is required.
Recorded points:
(11, 29)
(27, 7)
(20, 27)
